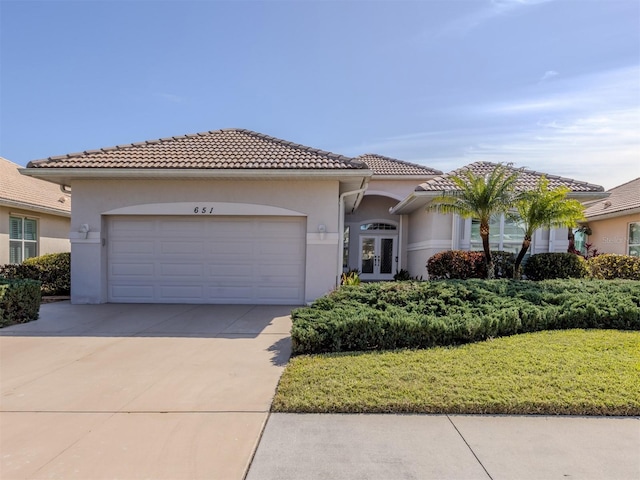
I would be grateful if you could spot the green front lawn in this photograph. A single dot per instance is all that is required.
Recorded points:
(578, 372)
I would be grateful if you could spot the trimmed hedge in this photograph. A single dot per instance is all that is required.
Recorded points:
(394, 315)
(461, 264)
(19, 301)
(548, 266)
(610, 266)
(52, 270)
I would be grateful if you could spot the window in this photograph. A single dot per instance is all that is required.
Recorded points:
(345, 247)
(580, 240)
(23, 239)
(505, 234)
(634, 239)
(377, 226)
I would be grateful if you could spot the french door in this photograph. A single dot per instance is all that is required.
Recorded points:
(378, 257)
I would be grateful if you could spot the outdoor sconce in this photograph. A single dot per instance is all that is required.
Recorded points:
(84, 230)
(322, 230)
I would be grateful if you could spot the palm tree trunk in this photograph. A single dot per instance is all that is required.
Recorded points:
(484, 235)
(523, 251)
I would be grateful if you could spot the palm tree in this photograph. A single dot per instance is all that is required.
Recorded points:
(544, 208)
(480, 196)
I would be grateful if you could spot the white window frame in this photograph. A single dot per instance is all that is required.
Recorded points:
(476, 244)
(22, 241)
(629, 244)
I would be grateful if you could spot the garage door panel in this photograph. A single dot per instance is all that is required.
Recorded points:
(133, 292)
(180, 291)
(229, 247)
(132, 269)
(128, 246)
(207, 260)
(181, 270)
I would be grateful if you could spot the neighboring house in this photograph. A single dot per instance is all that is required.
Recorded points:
(614, 222)
(34, 216)
(234, 216)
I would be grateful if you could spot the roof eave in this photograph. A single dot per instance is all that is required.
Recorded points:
(66, 175)
(34, 208)
(404, 177)
(617, 213)
(413, 201)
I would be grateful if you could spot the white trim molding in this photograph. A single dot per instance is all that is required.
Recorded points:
(323, 238)
(429, 244)
(204, 209)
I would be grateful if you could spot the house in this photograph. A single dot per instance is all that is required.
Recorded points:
(614, 222)
(432, 232)
(34, 216)
(234, 216)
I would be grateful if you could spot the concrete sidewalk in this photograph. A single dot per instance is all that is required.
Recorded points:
(396, 447)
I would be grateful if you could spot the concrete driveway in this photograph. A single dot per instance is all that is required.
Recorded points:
(138, 391)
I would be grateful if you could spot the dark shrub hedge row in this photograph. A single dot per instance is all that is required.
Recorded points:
(52, 270)
(19, 301)
(460, 264)
(610, 266)
(547, 266)
(380, 316)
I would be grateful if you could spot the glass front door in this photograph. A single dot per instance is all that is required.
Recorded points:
(378, 257)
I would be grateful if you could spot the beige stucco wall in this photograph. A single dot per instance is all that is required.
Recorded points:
(315, 199)
(611, 235)
(53, 232)
(429, 233)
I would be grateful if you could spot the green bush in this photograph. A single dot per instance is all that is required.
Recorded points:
(19, 301)
(609, 266)
(52, 270)
(393, 315)
(461, 264)
(548, 266)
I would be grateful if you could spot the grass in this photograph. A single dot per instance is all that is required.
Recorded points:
(568, 372)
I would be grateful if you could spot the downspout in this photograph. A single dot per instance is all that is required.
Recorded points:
(341, 224)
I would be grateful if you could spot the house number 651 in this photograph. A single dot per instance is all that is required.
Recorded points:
(203, 210)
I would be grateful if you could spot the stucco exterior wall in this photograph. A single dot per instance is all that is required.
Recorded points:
(429, 233)
(611, 235)
(315, 199)
(53, 232)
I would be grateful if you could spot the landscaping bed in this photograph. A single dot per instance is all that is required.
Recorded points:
(395, 315)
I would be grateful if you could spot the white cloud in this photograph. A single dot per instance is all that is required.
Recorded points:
(491, 10)
(548, 75)
(586, 127)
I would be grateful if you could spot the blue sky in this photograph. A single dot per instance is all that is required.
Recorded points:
(552, 85)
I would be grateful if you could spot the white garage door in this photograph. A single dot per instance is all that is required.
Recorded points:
(166, 259)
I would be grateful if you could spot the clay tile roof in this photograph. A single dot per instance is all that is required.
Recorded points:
(217, 149)
(381, 165)
(30, 193)
(621, 199)
(527, 180)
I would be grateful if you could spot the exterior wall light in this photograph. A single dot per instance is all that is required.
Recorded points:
(322, 230)
(84, 230)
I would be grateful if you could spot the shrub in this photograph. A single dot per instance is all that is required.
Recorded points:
(52, 270)
(610, 266)
(392, 315)
(19, 301)
(547, 266)
(350, 278)
(460, 264)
